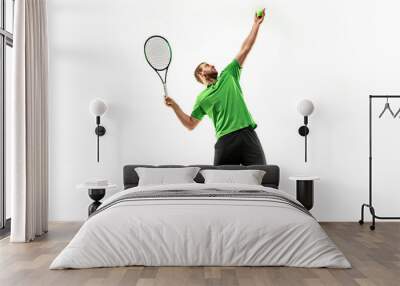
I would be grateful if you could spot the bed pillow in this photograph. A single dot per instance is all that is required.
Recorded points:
(248, 177)
(165, 176)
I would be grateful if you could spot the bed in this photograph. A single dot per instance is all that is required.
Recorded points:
(199, 224)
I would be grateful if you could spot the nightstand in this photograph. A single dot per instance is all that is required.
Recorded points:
(96, 193)
(305, 190)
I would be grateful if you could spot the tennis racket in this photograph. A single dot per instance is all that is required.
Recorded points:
(158, 54)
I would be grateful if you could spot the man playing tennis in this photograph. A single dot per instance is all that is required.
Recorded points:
(222, 100)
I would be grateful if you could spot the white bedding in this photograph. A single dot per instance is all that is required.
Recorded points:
(200, 231)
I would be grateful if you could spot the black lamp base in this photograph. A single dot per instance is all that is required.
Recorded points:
(304, 131)
(100, 130)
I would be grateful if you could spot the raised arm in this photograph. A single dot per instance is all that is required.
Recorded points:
(188, 121)
(251, 38)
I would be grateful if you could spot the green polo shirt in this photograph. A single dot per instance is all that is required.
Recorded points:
(223, 102)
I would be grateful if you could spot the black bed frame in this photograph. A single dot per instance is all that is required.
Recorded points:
(270, 179)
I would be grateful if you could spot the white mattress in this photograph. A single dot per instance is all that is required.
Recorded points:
(200, 231)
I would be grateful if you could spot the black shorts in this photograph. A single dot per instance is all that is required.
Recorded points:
(241, 147)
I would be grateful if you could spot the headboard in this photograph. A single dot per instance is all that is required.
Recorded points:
(270, 179)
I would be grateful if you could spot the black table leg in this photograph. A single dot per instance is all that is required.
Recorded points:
(305, 193)
(96, 195)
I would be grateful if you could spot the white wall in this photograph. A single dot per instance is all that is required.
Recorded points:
(335, 53)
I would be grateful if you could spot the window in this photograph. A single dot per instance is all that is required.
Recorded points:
(6, 44)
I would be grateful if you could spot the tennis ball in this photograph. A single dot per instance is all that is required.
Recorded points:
(259, 13)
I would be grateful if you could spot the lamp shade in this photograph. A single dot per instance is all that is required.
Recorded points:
(305, 107)
(97, 107)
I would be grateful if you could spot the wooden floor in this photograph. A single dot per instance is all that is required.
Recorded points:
(375, 257)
